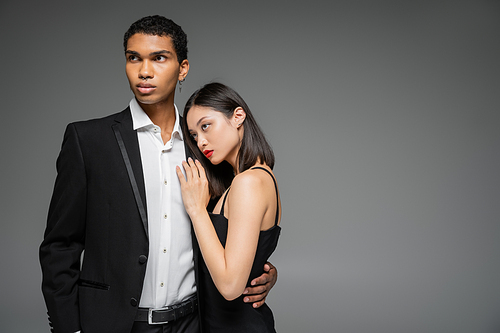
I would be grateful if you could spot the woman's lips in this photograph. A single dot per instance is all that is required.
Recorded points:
(208, 153)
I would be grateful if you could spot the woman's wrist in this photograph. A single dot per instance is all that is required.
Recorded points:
(196, 213)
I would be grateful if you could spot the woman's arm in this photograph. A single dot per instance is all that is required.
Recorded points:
(230, 266)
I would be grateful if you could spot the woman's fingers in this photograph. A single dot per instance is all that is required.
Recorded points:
(193, 169)
(189, 171)
(201, 170)
(180, 175)
(194, 185)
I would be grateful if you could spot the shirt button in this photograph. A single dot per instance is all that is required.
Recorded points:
(165, 216)
(164, 250)
(164, 151)
(165, 182)
(161, 284)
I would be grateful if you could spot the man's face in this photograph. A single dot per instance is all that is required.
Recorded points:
(152, 68)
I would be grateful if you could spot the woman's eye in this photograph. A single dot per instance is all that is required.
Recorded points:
(193, 136)
(204, 126)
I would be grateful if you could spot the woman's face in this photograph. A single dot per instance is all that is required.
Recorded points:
(217, 137)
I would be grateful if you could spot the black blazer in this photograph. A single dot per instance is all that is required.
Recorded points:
(94, 208)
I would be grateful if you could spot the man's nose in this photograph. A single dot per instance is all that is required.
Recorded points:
(146, 71)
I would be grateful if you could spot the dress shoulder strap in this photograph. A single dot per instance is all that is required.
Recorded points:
(224, 201)
(276, 188)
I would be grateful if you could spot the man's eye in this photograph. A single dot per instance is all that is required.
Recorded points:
(133, 58)
(160, 58)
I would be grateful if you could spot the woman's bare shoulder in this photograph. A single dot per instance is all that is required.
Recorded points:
(253, 180)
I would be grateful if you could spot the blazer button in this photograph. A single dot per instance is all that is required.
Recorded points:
(142, 259)
(133, 302)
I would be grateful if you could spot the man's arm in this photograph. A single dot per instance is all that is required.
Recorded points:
(261, 286)
(63, 241)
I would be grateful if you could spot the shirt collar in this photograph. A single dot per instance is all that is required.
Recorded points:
(141, 120)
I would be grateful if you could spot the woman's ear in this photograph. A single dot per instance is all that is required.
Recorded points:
(239, 116)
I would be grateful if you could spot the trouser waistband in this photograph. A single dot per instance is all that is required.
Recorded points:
(169, 313)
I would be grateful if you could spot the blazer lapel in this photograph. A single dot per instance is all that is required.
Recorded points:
(129, 147)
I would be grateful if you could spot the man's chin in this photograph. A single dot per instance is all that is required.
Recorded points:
(145, 100)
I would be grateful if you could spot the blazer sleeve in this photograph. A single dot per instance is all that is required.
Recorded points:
(64, 236)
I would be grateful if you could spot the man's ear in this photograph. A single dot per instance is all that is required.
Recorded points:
(184, 69)
(239, 116)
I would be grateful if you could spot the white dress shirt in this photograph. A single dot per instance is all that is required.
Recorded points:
(170, 268)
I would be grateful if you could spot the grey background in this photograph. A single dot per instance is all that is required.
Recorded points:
(384, 116)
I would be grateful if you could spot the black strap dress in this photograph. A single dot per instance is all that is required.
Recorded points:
(220, 315)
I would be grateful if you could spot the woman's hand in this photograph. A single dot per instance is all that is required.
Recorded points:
(194, 187)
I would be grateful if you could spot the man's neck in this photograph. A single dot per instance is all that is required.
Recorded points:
(163, 116)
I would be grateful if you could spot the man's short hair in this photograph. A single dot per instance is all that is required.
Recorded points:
(160, 26)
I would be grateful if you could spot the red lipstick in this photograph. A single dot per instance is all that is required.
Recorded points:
(208, 153)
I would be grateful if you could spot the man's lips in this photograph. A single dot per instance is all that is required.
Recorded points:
(208, 153)
(145, 88)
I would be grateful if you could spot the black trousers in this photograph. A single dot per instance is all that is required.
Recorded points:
(186, 324)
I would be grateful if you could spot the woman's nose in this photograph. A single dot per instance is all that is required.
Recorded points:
(202, 143)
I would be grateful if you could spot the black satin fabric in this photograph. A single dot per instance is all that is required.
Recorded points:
(220, 315)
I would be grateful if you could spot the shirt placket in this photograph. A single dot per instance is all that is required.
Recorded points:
(165, 225)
